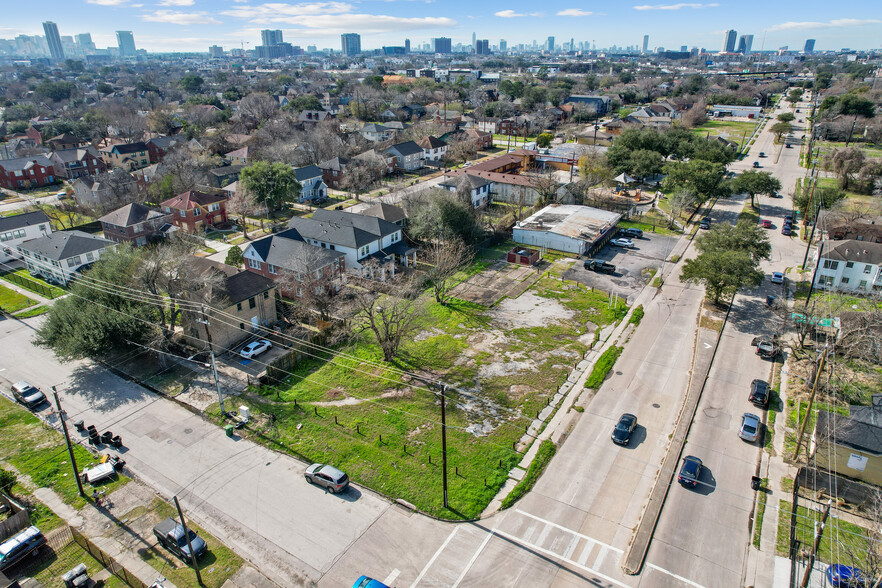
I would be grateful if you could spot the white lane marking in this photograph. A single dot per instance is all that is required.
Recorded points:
(544, 534)
(562, 528)
(599, 559)
(474, 557)
(392, 577)
(673, 575)
(589, 547)
(434, 557)
(556, 556)
(568, 552)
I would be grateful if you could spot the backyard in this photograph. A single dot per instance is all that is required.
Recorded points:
(502, 364)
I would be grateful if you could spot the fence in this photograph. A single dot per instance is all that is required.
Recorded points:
(29, 284)
(108, 562)
(852, 492)
(14, 524)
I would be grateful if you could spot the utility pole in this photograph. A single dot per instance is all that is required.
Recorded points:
(444, 442)
(204, 321)
(818, 536)
(73, 461)
(811, 238)
(808, 412)
(794, 542)
(814, 274)
(187, 536)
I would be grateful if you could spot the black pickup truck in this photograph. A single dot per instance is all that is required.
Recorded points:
(599, 266)
(170, 534)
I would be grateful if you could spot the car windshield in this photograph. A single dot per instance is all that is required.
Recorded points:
(748, 428)
(622, 426)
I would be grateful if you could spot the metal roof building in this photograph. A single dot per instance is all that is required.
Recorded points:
(567, 227)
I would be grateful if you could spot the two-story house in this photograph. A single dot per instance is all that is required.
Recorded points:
(311, 117)
(849, 265)
(374, 132)
(478, 189)
(360, 238)
(294, 264)
(128, 156)
(481, 139)
(18, 228)
(78, 162)
(241, 156)
(312, 184)
(134, 223)
(64, 141)
(193, 211)
(159, 147)
(334, 172)
(27, 172)
(57, 257)
(434, 149)
(387, 212)
(108, 190)
(408, 156)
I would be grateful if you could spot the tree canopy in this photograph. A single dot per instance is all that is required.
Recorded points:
(755, 182)
(273, 183)
(703, 178)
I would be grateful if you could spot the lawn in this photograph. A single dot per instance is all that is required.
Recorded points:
(733, 130)
(11, 301)
(854, 199)
(49, 571)
(22, 278)
(871, 151)
(382, 427)
(36, 311)
(651, 222)
(843, 542)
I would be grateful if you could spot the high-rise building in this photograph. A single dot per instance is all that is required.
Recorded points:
(271, 37)
(441, 44)
(351, 43)
(482, 47)
(809, 46)
(503, 45)
(549, 44)
(684, 49)
(56, 52)
(646, 43)
(745, 43)
(126, 43)
(407, 45)
(474, 36)
(84, 42)
(215, 51)
(729, 41)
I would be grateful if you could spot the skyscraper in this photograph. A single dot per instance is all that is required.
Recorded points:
(271, 37)
(351, 43)
(482, 47)
(407, 45)
(503, 45)
(56, 52)
(441, 44)
(745, 43)
(729, 41)
(126, 43)
(809, 46)
(473, 39)
(646, 43)
(215, 51)
(550, 44)
(84, 42)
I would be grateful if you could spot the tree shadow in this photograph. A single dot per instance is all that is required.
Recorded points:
(91, 383)
(751, 314)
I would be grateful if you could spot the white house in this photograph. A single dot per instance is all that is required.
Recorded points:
(312, 186)
(374, 132)
(849, 265)
(58, 256)
(479, 189)
(434, 149)
(19, 228)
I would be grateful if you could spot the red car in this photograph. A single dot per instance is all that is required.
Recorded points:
(767, 224)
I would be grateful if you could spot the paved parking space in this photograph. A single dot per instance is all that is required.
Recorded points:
(627, 281)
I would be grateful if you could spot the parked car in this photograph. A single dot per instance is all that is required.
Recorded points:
(762, 153)
(767, 224)
(756, 164)
(787, 145)
(623, 430)
(787, 230)
(766, 348)
(28, 395)
(328, 476)
(599, 266)
(20, 545)
(777, 278)
(170, 535)
(842, 576)
(255, 348)
(750, 427)
(776, 195)
(626, 243)
(690, 471)
(704, 224)
(788, 220)
(367, 582)
(631, 233)
(759, 393)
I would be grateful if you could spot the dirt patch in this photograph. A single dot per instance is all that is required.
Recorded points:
(402, 393)
(508, 368)
(428, 334)
(529, 310)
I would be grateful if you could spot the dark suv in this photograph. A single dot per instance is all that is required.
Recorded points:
(759, 393)
(599, 266)
(631, 233)
(690, 471)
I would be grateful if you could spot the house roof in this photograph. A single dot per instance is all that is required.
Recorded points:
(851, 250)
(336, 164)
(192, 198)
(307, 173)
(78, 154)
(312, 115)
(165, 141)
(62, 245)
(18, 221)
(241, 152)
(23, 163)
(406, 148)
(467, 180)
(130, 214)
(872, 414)
(226, 170)
(342, 228)
(126, 148)
(374, 128)
(843, 430)
(288, 250)
(387, 212)
(65, 139)
(431, 142)
(238, 285)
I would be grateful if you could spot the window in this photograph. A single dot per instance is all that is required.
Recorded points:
(167, 209)
(251, 302)
(90, 256)
(830, 264)
(843, 281)
(868, 268)
(827, 281)
(266, 295)
(182, 212)
(863, 285)
(849, 264)
(272, 269)
(74, 261)
(197, 211)
(254, 264)
(238, 306)
(241, 326)
(214, 207)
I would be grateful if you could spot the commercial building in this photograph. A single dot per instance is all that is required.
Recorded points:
(729, 41)
(809, 46)
(215, 51)
(482, 47)
(271, 37)
(744, 44)
(442, 45)
(56, 51)
(550, 44)
(568, 227)
(646, 43)
(126, 42)
(351, 43)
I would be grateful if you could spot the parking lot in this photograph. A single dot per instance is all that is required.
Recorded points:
(628, 279)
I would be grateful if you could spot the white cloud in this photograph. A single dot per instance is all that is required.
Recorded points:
(271, 11)
(836, 23)
(508, 14)
(574, 12)
(180, 18)
(107, 2)
(673, 6)
(240, 1)
(177, 2)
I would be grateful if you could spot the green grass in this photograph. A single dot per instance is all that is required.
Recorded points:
(760, 512)
(736, 131)
(23, 279)
(36, 311)
(11, 301)
(657, 282)
(49, 571)
(842, 542)
(749, 213)
(651, 223)
(637, 315)
(604, 364)
(546, 451)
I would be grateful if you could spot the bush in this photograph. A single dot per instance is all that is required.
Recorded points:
(637, 315)
(7, 481)
(546, 451)
(603, 366)
(675, 258)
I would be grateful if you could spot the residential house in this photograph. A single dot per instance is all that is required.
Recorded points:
(311, 117)
(849, 265)
(64, 141)
(479, 189)
(245, 303)
(388, 212)
(600, 104)
(78, 162)
(389, 160)
(434, 149)
(193, 211)
(134, 223)
(111, 189)
(241, 156)
(361, 238)
(448, 119)
(837, 227)
(414, 110)
(515, 125)
(482, 139)
(27, 172)
(334, 171)
(18, 228)
(57, 257)
(293, 263)
(374, 132)
(312, 186)
(850, 445)
(224, 175)
(408, 156)
(128, 156)
(158, 147)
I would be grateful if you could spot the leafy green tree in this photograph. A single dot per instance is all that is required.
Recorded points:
(721, 272)
(235, 257)
(645, 163)
(441, 215)
(703, 178)
(104, 88)
(191, 83)
(712, 150)
(56, 91)
(795, 95)
(232, 94)
(809, 201)
(544, 140)
(852, 104)
(755, 182)
(272, 183)
(7, 481)
(745, 237)
(780, 129)
(786, 117)
(304, 102)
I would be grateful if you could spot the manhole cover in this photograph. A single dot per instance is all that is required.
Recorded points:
(656, 405)
(188, 431)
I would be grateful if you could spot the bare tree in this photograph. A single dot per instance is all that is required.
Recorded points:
(314, 279)
(444, 260)
(680, 201)
(363, 173)
(546, 186)
(241, 205)
(390, 310)
(461, 149)
(258, 107)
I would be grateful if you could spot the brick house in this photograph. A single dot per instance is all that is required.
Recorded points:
(158, 147)
(133, 223)
(18, 228)
(78, 162)
(334, 171)
(836, 227)
(64, 141)
(59, 256)
(193, 211)
(482, 139)
(129, 156)
(27, 172)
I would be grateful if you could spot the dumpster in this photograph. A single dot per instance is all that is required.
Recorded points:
(229, 430)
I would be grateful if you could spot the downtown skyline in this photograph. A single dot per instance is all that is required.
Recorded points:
(193, 25)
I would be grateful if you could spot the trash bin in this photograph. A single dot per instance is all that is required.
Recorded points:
(79, 425)
(755, 482)
(229, 430)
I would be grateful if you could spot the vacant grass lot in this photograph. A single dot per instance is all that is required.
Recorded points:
(502, 364)
(11, 301)
(827, 147)
(733, 130)
(843, 542)
(49, 571)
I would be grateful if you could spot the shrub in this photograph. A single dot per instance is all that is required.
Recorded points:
(546, 451)
(637, 315)
(603, 366)
(7, 481)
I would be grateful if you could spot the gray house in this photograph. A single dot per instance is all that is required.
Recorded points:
(18, 228)
(59, 256)
(408, 156)
(312, 184)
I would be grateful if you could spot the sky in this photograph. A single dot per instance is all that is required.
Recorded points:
(193, 25)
